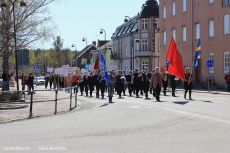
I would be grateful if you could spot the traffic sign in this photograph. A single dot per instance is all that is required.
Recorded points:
(209, 63)
(86, 66)
(167, 62)
(36, 68)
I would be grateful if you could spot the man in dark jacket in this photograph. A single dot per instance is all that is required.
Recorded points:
(90, 83)
(31, 83)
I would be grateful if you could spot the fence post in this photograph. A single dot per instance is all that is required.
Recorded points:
(70, 98)
(56, 97)
(31, 103)
(75, 97)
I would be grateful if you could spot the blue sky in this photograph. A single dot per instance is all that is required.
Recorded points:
(76, 19)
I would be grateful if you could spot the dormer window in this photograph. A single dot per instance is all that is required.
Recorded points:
(144, 24)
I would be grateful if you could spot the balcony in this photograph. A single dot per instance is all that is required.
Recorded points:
(143, 53)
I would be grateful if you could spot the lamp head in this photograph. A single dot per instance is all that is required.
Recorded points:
(137, 40)
(101, 32)
(125, 20)
(83, 39)
(22, 3)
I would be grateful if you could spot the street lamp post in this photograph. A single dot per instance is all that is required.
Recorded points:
(128, 19)
(101, 32)
(75, 63)
(137, 41)
(22, 3)
(84, 39)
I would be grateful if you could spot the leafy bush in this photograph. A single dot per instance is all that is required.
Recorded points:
(10, 96)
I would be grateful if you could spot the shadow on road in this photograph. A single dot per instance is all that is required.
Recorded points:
(181, 102)
(207, 101)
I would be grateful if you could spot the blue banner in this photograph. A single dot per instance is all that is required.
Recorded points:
(104, 67)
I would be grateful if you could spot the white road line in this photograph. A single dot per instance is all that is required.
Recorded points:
(195, 115)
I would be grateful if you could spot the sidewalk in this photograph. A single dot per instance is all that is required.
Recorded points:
(211, 91)
(43, 108)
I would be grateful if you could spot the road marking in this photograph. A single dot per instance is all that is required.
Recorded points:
(195, 115)
(134, 106)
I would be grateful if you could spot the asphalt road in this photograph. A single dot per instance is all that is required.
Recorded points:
(129, 125)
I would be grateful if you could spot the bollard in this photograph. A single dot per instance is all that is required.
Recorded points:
(75, 97)
(56, 97)
(31, 103)
(70, 98)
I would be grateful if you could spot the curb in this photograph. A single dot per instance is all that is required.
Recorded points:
(211, 92)
(12, 101)
(16, 107)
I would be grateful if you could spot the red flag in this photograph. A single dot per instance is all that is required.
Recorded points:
(96, 64)
(175, 61)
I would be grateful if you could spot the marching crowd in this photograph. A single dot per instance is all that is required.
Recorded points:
(137, 83)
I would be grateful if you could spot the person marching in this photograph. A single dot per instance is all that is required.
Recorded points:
(136, 84)
(119, 83)
(51, 79)
(141, 88)
(129, 79)
(81, 83)
(146, 82)
(102, 84)
(110, 85)
(31, 83)
(46, 78)
(85, 78)
(68, 81)
(96, 83)
(156, 82)
(124, 81)
(90, 83)
(173, 84)
(152, 90)
(75, 82)
(188, 83)
(165, 81)
(227, 79)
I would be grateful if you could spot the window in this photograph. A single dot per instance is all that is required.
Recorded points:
(226, 62)
(126, 51)
(84, 61)
(183, 5)
(211, 1)
(164, 11)
(164, 37)
(197, 31)
(211, 28)
(174, 34)
(226, 24)
(144, 64)
(173, 8)
(225, 3)
(211, 57)
(115, 51)
(144, 44)
(197, 1)
(145, 24)
(184, 34)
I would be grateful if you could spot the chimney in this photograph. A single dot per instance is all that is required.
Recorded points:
(94, 42)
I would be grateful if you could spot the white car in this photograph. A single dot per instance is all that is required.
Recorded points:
(1, 81)
(39, 80)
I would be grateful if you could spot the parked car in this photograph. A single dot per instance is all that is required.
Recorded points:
(39, 80)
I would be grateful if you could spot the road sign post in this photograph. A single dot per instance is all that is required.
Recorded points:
(209, 63)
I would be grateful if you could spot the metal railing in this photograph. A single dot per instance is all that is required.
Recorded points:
(32, 100)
